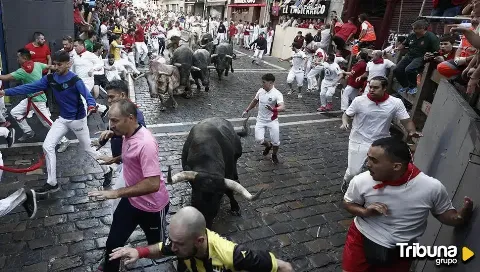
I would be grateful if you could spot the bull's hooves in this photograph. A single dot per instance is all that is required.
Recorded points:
(235, 213)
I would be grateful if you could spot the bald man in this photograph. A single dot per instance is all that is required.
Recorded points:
(192, 242)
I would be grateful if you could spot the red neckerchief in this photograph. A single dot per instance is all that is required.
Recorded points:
(378, 61)
(378, 100)
(28, 66)
(411, 173)
(83, 51)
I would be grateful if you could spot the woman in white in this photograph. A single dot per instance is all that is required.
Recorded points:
(270, 34)
(298, 68)
(333, 74)
(378, 66)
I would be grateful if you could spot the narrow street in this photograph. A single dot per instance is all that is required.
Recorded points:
(298, 217)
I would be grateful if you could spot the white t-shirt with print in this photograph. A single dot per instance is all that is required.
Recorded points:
(408, 207)
(271, 98)
(378, 69)
(371, 121)
(332, 72)
(298, 60)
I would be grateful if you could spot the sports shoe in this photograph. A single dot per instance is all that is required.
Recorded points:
(329, 106)
(300, 95)
(47, 188)
(402, 90)
(274, 159)
(30, 203)
(107, 178)
(322, 109)
(344, 186)
(63, 146)
(267, 150)
(11, 137)
(412, 91)
(26, 136)
(290, 92)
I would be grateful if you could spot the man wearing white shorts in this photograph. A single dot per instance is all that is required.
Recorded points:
(270, 102)
(298, 68)
(260, 46)
(372, 116)
(333, 74)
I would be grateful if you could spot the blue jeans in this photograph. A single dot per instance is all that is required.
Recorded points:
(449, 12)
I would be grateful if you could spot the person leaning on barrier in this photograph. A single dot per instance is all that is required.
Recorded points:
(200, 249)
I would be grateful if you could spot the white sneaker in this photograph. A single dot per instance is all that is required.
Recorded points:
(30, 114)
(63, 146)
(300, 95)
(290, 92)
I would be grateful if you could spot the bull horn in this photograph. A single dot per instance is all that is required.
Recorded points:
(228, 56)
(237, 187)
(196, 68)
(211, 67)
(214, 55)
(177, 64)
(140, 76)
(182, 176)
(163, 73)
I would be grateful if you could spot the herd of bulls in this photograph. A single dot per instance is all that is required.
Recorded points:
(165, 80)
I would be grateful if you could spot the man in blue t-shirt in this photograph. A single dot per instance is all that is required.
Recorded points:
(67, 88)
(116, 90)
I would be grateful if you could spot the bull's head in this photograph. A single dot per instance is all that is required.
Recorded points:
(221, 62)
(207, 191)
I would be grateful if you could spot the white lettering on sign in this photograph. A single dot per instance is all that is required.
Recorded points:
(244, 1)
(318, 9)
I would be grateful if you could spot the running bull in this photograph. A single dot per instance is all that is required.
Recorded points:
(163, 81)
(222, 59)
(201, 59)
(209, 161)
(183, 59)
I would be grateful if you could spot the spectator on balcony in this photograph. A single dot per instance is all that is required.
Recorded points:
(418, 43)
(345, 35)
(447, 8)
(367, 33)
(464, 54)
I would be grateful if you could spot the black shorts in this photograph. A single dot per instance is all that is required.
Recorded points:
(100, 80)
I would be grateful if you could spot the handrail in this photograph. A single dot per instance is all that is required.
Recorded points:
(460, 18)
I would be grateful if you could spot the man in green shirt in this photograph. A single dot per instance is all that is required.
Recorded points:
(92, 38)
(29, 72)
(418, 43)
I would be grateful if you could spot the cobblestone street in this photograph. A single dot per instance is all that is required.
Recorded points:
(298, 217)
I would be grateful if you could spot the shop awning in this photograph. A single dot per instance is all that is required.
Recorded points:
(246, 5)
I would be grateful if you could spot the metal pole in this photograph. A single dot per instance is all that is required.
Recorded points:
(421, 9)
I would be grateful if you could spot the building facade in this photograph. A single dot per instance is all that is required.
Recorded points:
(248, 11)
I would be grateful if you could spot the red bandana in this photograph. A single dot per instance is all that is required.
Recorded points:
(28, 66)
(411, 173)
(379, 100)
(378, 61)
(80, 54)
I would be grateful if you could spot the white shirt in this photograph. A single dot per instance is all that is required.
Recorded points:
(378, 69)
(100, 71)
(364, 26)
(270, 35)
(298, 60)
(272, 98)
(85, 63)
(371, 121)
(325, 35)
(332, 73)
(408, 207)
(115, 71)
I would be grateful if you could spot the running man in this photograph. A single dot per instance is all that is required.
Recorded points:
(298, 68)
(29, 72)
(67, 89)
(199, 248)
(270, 102)
(26, 198)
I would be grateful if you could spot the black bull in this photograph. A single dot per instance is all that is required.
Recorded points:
(209, 161)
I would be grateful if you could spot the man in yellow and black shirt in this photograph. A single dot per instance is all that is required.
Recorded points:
(202, 250)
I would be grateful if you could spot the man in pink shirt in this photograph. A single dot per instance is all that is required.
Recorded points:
(144, 200)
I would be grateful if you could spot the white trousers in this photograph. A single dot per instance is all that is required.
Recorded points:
(155, 45)
(246, 40)
(258, 54)
(273, 128)
(12, 201)
(312, 77)
(269, 48)
(326, 92)
(296, 75)
(119, 183)
(42, 111)
(141, 50)
(348, 94)
(221, 37)
(59, 128)
(3, 110)
(357, 154)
